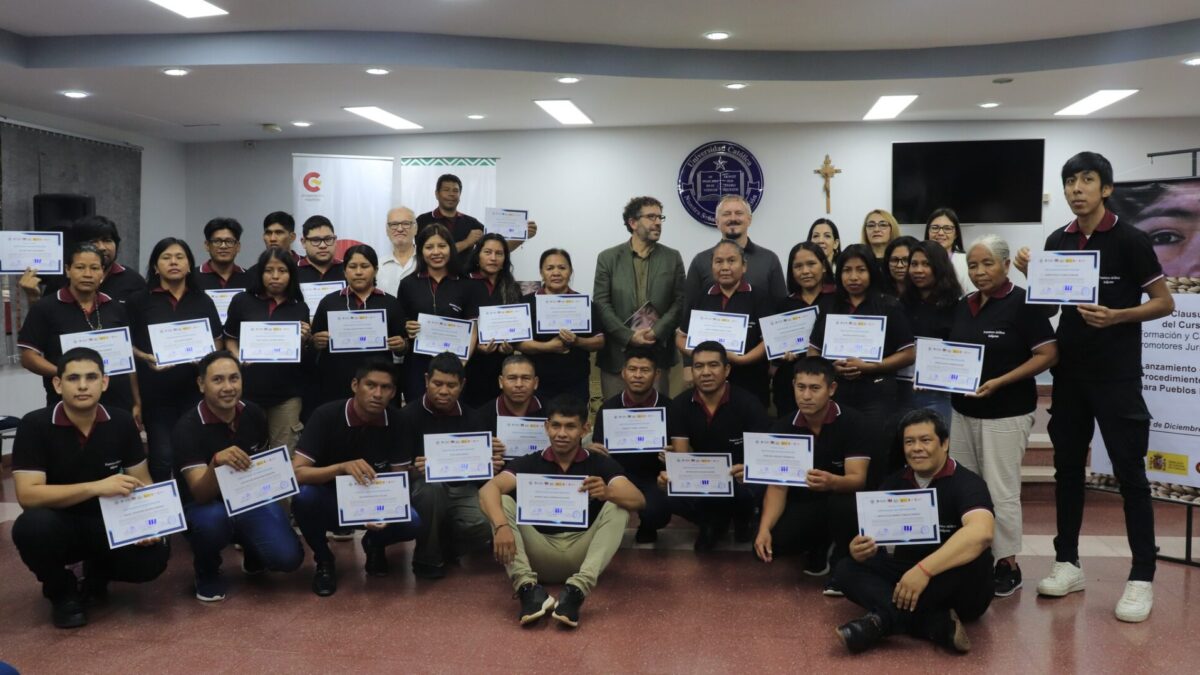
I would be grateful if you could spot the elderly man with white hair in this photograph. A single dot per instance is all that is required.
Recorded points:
(401, 229)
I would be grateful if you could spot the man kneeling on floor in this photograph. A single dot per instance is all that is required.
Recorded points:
(925, 590)
(559, 554)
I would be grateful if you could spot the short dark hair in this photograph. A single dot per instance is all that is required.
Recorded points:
(217, 224)
(634, 207)
(737, 248)
(314, 222)
(257, 287)
(815, 365)
(517, 360)
(712, 346)
(640, 352)
(375, 365)
(448, 178)
(567, 405)
(950, 215)
(1089, 161)
(91, 228)
(212, 357)
(82, 247)
(283, 218)
(448, 363)
(366, 251)
(79, 354)
(921, 416)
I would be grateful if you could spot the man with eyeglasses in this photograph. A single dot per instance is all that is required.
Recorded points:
(639, 292)
(223, 241)
(319, 262)
(401, 228)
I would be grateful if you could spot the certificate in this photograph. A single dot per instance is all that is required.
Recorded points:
(635, 430)
(269, 342)
(113, 344)
(521, 435)
(454, 457)
(955, 367)
(269, 479)
(43, 251)
(788, 332)
(180, 341)
(357, 330)
(899, 517)
(778, 459)
(511, 223)
(552, 500)
(505, 323)
(697, 474)
(314, 291)
(850, 336)
(147, 512)
(572, 311)
(383, 500)
(723, 327)
(440, 334)
(1063, 278)
(221, 297)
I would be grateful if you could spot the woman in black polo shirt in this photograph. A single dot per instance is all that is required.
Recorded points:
(335, 371)
(808, 269)
(492, 276)
(563, 362)
(991, 428)
(172, 295)
(929, 299)
(435, 288)
(273, 295)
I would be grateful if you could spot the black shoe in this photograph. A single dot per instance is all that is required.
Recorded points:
(252, 565)
(706, 539)
(377, 563)
(1007, 579)
(94, 587)
(324, 581)
(831, 590)
(534, 603)
(68, 612)
(860, 635)
(645, 535)
(742, 532)
(816, 563)
(566, 611)
(953, 635)
(428, 570)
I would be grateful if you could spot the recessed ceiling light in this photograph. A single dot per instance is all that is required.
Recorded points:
(570, 79)
(301, 124)
(75, 93)
(381, 116)
(176, 72)
(989, 104)
(1101, 99)
(717, 35)
(476, 117)
(736, 85)
(726, 109)
(888, 107)
(378, 71)
(1194, 61)
(564, 111)
(190, 9)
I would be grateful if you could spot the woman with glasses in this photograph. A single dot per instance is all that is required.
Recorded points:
(491, 272)
(944, 228)
(824, 234)
(806, 273)
(929, 299)
(896, 256)
(879, 229)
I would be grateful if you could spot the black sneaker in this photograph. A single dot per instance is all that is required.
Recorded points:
(645, 535)
(566, 611)
(68, 612)
(1007, 579)
(428, 571)
(860, 635)
(816, 563)
(953, 635)
(377, 563)
(340, 534)
(832, 591)
(324, 581)
(534, 603)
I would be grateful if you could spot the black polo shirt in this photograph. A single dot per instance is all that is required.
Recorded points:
(1009, 330)
(335, 371)
(557, 372)
(738, 411)
(200, 434)
(959, 492)
(47, 442)
(453, 297)
(307, 273)
(460, 228)
(208, 279)
(898, 335)
(485, 416)
(267, 384)
(639, 466)
(843, 436)
(1128, 265)
(155, 306)
(584, 464)
(60, 314)
(335, 434)
(753, 302)
(417, 419)
(781, 384)
(483, 370)
(120, 282)
(927, 320)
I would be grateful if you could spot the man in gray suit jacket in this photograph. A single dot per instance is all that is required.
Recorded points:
(638, 276)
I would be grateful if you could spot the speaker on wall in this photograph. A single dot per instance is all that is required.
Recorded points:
(56, 211)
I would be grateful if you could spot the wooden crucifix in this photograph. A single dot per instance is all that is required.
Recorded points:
(827, 171)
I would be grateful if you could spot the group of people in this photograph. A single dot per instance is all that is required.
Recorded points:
(340, 413)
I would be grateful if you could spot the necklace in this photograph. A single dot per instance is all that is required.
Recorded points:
(88, 317)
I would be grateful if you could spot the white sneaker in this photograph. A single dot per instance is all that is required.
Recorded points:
(1064, 578)
(1134, 605)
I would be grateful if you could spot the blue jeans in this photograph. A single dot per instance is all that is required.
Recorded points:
(315, 509)
(264, 533)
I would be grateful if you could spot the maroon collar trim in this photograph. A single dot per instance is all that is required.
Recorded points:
(207, 416)
(628, 402)
(65, 295)
(429, 409)
(832, 412)
(60, 419)
(1108, 222)
(303, 262)
(947, 470)
(743, 287)
(580, 455)
(207, 268)
(353, 420)
(502, 409)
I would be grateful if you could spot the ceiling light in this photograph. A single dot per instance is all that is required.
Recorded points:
(717, 35)
(726, 109)
(989, 104)
(190, 9)
(301, 124)
(736, 85)
(564, 111)
(568, 80)
(378, 71)
(888, 107)
(381, 116)
(1194, 61)
(476, 117)
(176, 72)
(75, 93)
(1098, 100)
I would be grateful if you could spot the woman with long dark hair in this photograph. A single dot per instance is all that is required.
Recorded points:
(491, 272)
(944, 228)
(895, 256)
(929, 299)
(562, 361)
(806, 273)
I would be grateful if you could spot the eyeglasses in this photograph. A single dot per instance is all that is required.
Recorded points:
(401, 225)
(321, 241)
(947, 229)
(898, 262)
(880, 225)
(652, 217)
(223, 243)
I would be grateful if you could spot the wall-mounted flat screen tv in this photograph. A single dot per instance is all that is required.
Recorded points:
(983, 181)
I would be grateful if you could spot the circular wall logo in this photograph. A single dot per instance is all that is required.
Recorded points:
(311, 181)
(714, 170)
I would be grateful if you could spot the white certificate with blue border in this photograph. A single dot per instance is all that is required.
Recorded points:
(788, 332)
(315, 291)
(43, 251)
(954, 367)
(849, 336)
(521, 435)
(564, 311)
(635, 429)
(699, 474)
(899, 517)
(269, 342)
(777, 459)
(455, 457)
(442, 334)
(147, 512)
(269, 479)
(384, 500)
(552, 500)
(505, 323)
(113, 344)
(180, 341)
(358, 330)
(512, 224)
(221, 297)
(723, 327)
(1063, 278)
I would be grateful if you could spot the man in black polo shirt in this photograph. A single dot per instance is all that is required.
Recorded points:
(518, 381)
(357, 437)
(224, 430)
(798, 519)
(454, 523)
(223, 241)
(320, 244)
(120, 282)
(640, 373)
(926, 591)
(575, 557)
(64, 458)
(1098, 380)
(712, 417)
(467, 231)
